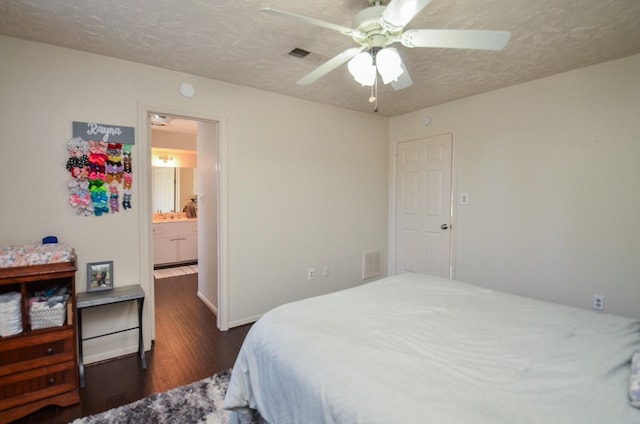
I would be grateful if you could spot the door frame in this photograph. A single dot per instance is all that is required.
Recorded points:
(393, 151)
(144, 217)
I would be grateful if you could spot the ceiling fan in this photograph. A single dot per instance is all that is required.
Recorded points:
(376, 28)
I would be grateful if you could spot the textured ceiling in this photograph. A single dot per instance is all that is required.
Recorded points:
(231, 40)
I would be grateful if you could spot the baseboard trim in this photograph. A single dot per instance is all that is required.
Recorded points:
(209, 305)
(244, 321)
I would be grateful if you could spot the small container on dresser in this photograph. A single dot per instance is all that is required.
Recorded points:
(38, 353)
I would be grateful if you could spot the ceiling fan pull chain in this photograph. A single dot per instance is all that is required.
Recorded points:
(375, 86)
(374, 91)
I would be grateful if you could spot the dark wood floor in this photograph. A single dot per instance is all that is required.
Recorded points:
(188, 347)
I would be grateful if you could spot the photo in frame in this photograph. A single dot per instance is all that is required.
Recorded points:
(99, 276)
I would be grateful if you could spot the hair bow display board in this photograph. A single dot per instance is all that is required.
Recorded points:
(100, 166)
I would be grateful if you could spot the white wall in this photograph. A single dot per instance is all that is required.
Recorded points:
(553, 176)
(208, 258)
(316, 195)
(306, 182)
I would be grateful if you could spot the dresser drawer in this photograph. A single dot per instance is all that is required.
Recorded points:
(37, 384)
(36, 350)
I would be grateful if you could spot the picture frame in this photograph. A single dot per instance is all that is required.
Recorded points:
(99, 276)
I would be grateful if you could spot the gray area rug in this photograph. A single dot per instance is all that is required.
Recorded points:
(199, 402)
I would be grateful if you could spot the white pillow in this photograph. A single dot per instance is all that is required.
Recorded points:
(634, 380)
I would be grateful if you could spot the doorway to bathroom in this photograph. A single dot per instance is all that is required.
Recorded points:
(184, 199)
(174, 191)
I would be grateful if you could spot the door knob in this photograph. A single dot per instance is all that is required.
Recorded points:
(444, 226)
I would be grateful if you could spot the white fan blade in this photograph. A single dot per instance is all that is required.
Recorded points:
(305, 19)
(400, 12)
(403, 81)
(456, 39)
(329, 65)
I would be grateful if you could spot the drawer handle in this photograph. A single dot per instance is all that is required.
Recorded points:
(52, 381)
(50, 351)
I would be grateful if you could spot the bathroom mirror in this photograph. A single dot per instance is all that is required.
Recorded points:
(172, 188)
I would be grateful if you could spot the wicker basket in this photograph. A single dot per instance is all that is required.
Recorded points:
(47, 317)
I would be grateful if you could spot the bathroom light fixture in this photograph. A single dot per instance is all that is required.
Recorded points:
(165, 158)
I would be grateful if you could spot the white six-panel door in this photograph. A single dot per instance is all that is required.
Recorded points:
(423, 205)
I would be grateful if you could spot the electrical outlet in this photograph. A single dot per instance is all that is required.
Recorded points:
(311, 274)
(598, 302)
(464, 198)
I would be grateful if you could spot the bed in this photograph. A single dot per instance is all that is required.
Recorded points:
(414, 348)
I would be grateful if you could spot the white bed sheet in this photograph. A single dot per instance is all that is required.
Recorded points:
(421, 349)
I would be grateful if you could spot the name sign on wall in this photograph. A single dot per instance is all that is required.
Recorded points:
(101, 167)
(102, 132)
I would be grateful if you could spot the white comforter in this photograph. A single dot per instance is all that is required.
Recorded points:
(420, 349)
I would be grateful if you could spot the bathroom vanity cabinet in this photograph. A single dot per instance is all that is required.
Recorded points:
(175, 241)
(38, 361)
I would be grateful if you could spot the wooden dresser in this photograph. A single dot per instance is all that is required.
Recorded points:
(38, 367)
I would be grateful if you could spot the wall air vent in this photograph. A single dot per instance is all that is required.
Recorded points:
(371, 264)
(299, 53)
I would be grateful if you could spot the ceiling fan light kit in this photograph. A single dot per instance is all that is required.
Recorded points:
(387, 63)
(376, 28)
(362, 69)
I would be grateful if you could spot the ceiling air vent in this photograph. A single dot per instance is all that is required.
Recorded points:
(160, 120)
(299, 53)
